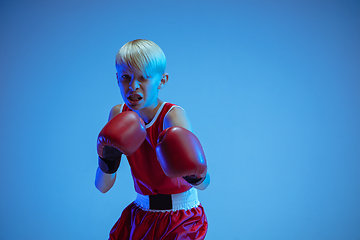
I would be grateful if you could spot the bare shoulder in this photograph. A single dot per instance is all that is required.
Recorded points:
(114, 111)
(177, 117)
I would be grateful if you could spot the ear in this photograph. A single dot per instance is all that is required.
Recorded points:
(164, 80)
(117, 78)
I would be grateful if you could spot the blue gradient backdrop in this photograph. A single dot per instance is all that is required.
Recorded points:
(272, 90)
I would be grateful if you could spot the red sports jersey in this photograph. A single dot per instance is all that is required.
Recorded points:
(149, 178)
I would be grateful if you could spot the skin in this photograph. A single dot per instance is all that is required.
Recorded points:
(134, 85)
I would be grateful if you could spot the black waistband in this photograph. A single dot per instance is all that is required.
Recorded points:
(160, 202)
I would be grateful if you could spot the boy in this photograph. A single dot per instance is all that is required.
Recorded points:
(166, 159)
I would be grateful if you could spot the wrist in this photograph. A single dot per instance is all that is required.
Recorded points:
(202, 185)
(109, 166)
(198, 183)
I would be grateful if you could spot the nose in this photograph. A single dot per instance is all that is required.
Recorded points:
(134, 84)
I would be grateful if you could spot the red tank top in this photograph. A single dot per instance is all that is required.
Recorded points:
(149, 178)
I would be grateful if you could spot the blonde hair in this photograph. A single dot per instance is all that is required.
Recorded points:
(141, 55)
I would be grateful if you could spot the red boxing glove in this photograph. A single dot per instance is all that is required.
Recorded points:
(125, 132)
(180, 153)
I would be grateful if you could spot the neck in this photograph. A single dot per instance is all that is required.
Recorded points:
(148, 113)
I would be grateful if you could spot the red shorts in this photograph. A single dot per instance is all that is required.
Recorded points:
(138, 224)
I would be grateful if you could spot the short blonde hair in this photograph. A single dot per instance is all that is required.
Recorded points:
(141, 55)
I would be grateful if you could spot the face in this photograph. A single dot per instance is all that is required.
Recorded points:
(138, 91)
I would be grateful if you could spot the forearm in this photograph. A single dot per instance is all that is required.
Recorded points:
(202, 185)
(198, 183)
(104, 181)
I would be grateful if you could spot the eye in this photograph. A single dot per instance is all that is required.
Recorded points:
(144, 78)
(125, 77)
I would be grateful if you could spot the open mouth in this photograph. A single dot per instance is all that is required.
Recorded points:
(134, 97)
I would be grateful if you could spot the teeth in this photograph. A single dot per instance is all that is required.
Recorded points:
(134, 97)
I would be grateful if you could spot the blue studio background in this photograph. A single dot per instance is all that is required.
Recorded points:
(271, 87)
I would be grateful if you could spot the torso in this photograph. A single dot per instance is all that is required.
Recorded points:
(148, 175)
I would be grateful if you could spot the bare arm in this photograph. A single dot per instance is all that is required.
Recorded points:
(104, 181)
(177, 117)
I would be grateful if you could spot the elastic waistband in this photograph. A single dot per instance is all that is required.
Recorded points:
(173, 202)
